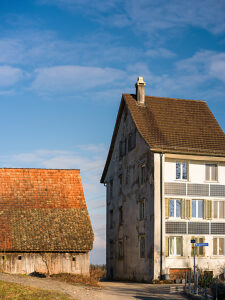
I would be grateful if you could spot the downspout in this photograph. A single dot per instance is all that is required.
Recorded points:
(161, 215)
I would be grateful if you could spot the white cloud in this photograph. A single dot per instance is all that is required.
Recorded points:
(160, 52)
(149, 15)
(10, 75)
(61, 79)
(204, 64)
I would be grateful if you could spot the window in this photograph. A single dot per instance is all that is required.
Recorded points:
(175, 246)
(19, 257)
(120, 215)
(120, 183)
(111, 188)
(120, 245)
(175, 208)
(111, 219)
(181, 170)
(142, 174)
(197, 209)
(122, 149)
(199, 251)
(218, 246)
(141, 209)
(218, 209)
(74, 259)
(111, 250)
(211, 172)
(132, 141)
(142, 247)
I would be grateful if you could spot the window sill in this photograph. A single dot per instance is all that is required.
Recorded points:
(184, 180)
(211, 181)
(175, 256)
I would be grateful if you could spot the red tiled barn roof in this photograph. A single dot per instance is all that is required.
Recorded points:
(43, 210)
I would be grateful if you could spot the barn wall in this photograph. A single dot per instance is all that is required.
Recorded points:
(52, 263)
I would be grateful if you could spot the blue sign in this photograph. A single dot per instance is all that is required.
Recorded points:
(193, 241)
(201, 244)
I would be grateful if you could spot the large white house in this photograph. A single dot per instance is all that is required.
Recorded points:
(165, 178)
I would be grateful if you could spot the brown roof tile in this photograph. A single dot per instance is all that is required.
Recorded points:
(173, 125)
(43, 210)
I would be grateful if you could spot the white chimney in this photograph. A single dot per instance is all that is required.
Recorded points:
(140, 90)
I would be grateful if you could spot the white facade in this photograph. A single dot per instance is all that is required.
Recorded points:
(200, 204)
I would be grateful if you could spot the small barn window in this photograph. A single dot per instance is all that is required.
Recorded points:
(142, 246)
(121, 215)
(73, 258)
(19, 257)
(121, 252)
(3, 257)
(132, 141)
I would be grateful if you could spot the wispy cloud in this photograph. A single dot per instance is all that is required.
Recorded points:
(61, 79)
(151, 16)
(160, 52)
(10, 76)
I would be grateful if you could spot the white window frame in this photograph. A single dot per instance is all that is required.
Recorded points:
(175, 208)
(175, 245)
(197, 214)
(181, 170)
(217, 248)
(210, 172)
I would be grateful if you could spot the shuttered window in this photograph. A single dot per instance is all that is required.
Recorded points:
(211, 172)
(175, 245)
(199, 251)
(218, 246)
(218, 209)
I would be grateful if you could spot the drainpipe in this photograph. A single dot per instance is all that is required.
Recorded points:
(161, 215)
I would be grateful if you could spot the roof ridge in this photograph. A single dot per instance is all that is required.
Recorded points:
(168, 98)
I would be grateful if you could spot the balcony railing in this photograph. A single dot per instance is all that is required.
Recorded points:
(194, 189)
(188, 227)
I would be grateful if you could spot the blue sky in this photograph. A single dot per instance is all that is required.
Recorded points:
(65, 63)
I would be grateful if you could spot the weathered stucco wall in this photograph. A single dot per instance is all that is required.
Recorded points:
(128, 196)
(52, 263)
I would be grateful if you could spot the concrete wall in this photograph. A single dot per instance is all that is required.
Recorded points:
(131, 266)
(52, 263)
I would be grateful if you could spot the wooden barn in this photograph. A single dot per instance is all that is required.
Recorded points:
(44, 222)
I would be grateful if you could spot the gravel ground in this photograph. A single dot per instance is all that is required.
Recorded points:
(108, 290)
(77, 292)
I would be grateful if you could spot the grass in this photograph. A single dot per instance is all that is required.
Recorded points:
(13, 291)
(96, 273)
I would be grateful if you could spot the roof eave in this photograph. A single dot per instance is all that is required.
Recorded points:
(116, 128)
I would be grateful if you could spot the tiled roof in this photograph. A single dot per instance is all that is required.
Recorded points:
(43, 210)
(173, 125)
(177, 124)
